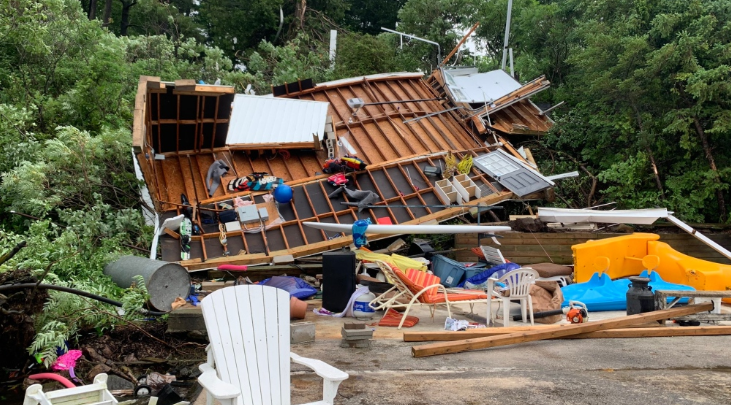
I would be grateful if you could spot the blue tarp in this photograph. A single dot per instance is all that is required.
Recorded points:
(498, 271)
(296, 287)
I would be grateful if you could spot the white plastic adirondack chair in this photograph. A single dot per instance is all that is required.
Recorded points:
(248, 327)
(96, 394)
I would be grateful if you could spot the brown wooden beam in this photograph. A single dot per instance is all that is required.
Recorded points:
(556, 332)
(447, 336)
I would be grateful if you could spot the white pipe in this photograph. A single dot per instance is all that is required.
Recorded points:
(687, 228)
(333, 44)
(153, 248)
(507, 34)
(512, 72)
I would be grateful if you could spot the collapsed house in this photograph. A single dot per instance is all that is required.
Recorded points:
(207, 152)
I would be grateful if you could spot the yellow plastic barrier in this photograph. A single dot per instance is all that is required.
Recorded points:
(678, 268)
(625, 255)
(628, 255)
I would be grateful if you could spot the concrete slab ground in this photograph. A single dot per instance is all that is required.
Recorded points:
(674, 370)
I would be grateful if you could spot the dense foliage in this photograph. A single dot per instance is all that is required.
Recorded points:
(646, 119)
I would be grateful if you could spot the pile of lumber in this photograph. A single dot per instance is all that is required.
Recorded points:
(455, 342)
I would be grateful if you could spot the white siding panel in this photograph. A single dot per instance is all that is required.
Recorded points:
(260, 119)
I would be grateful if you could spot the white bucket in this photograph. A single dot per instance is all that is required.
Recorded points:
(361, 309)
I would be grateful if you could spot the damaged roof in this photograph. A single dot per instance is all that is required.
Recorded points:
(507, 110)
(468, 86)
(405, 126)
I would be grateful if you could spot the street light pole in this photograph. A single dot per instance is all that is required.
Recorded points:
(439, 48)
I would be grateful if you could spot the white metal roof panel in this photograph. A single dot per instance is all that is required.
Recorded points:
(402, 75)
(468, 86)
(260, 119)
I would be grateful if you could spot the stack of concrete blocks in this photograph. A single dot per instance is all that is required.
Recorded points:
(356, 335)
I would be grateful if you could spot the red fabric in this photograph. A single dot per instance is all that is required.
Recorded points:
(393, 318)
(384, 221)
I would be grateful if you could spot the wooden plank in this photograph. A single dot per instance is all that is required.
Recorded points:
(448, 336)
(556, 332)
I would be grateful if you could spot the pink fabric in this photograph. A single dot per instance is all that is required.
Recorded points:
(233, 267)
(66, 361)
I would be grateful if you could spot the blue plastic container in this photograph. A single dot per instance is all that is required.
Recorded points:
(449, 271)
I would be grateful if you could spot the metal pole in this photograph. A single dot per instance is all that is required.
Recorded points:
(432, 114)
(439, 48)
(507, 34)
(479, 207)
(703, 238)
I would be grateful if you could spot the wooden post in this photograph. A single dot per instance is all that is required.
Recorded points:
(456, 48)
(556, 332)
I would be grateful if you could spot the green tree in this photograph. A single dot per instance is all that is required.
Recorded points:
(648, 83)
(359, 55)
(236, 26)
(368, 16)
(435, 20)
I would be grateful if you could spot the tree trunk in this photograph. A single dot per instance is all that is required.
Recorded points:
(650, 155)
(126, 5)
(712, 163)
(655, 171)
(92, 9)
(107, 13)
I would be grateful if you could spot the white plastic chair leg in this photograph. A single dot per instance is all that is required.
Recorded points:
(329, 390)
(523, 309)
(506, 312)
(530, 309)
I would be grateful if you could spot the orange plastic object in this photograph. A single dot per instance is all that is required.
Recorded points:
(625, 254)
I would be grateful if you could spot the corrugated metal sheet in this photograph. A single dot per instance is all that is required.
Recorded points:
(468, 86)
(274, 120)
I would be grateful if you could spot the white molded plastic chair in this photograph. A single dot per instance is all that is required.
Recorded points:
(95, 393)
(248, 327)
(517, 283)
